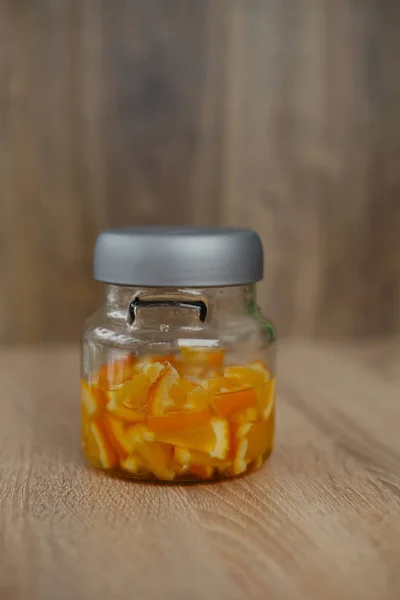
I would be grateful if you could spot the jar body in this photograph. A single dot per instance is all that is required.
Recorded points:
(178, 384)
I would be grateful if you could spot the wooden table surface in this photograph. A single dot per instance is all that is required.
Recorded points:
(320, 521)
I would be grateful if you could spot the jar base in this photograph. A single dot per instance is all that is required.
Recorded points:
(185, 478)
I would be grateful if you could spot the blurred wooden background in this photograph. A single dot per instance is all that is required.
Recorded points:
(279, 115)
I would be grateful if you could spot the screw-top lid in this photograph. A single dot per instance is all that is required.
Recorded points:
(178, 256)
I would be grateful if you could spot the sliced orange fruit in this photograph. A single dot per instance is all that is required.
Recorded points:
(268, 401)
(92, 399)
(105, 453)
(164, 395)
(219, 385)
(233, 402)
(266, 398)
(175, 421)
(136, 434)
(133, 394)
(240, 462)
(201, 471)
(132, 464)
(116, 372)
(258, 440)
(256, 374)
(238, 446)
(189, 396)
(197, 398)
(129, 401)
(154, 370)
(245, 416)
(150, 359)
(245, 376)
(115, 429)
(186, 457)
(123, 412)
(157, 458)
(211, 438)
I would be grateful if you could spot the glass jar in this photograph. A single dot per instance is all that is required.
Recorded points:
(178, 369)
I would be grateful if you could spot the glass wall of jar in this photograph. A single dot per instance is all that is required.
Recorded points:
(178, 365)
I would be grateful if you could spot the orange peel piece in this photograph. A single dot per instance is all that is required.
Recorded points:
(258, 440)
(163, 393)
(233, 402)
(187, 458)
(156, 458)
(173, 422)
(244, 416)
(129, 415)
(129, 401)
(93, 400)
(116, 431)
(211, 438)
(201, 471)
(145, 361)
(105, 453)
(132, 464)
(245, 376)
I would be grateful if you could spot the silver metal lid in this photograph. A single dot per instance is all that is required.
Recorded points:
(178, 256)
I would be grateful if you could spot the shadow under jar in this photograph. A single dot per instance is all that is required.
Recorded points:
(178, 365)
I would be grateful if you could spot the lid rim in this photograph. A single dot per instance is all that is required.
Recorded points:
(178, 257)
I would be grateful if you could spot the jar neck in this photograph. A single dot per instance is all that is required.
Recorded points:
(220, 302)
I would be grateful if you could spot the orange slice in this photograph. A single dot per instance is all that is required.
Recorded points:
(258, 440)
(137, 434)
(266, 398)
(116, 372)
(129, 415)
(238, 447)
(156, 457)
(129, 401)
(220, 385)
(105, 453)
(233, 402)
(240, 461)
(201, 471)
(187, 458)
(93, 399)
(150, 359)
(133, 394)
(245, 416)
(163, 396)
(132, 464)
(245, 376)
(173, 422)
(258, 375)
(189, 396)
(211, 438)
(153, 370)
(197, 398)
(116, 432)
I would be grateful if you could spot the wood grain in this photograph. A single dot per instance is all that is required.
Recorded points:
(321, 520)
(281, 116)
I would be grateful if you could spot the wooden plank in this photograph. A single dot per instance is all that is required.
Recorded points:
(53, 201)
(162, 65)
(311, 136)
(240, 112)
(322, 519)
